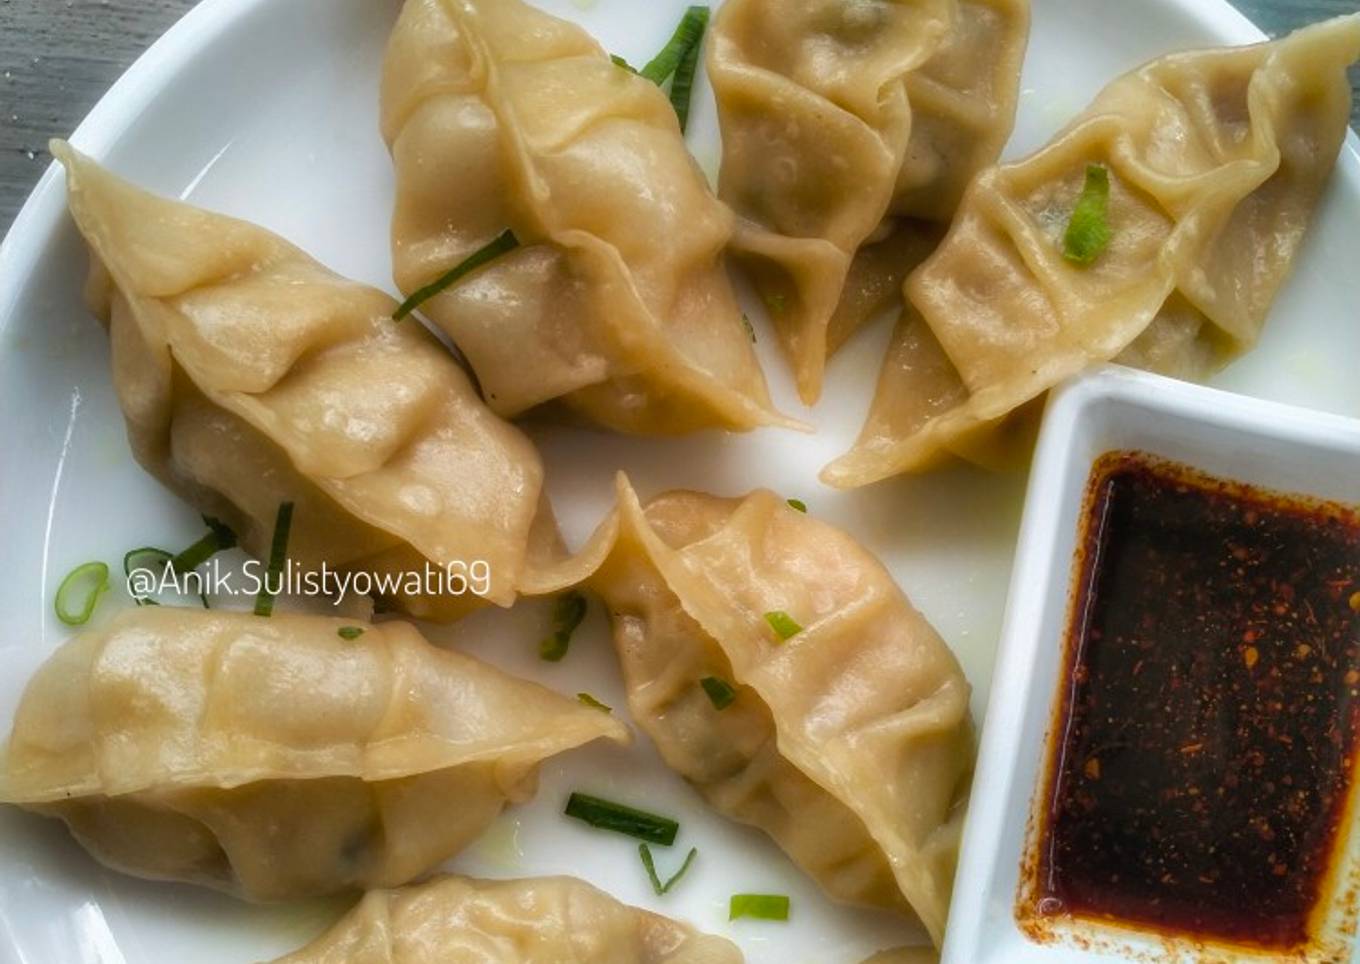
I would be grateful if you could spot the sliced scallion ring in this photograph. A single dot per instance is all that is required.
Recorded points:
(79, 593)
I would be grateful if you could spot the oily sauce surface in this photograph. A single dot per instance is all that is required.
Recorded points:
(1204, 755)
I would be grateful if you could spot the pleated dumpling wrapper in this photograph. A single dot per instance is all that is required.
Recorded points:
(848, 739)
(249, 375)
(272, 757)
(545, 920)
(850, 130)
(1215, 161)
(616, 302)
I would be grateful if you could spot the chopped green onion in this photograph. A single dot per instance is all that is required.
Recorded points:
(783, 624)
(758, 906)
(750, 328)
(165, 559)
(91, 578)
(218, 538)
(607, 815)
(649, 865)
(278, 555)
(798, 504)
(128, 566)
(591, 701)
(620, 62)
(1089, 232)
(568, 612)
(505, 242)
(682, 85)
(689, 33)
(349, 632)
(720, 692)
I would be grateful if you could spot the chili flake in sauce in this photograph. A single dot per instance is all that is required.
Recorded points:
(1207, 729)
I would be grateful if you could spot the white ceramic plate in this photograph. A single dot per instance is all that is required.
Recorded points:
(267, 110)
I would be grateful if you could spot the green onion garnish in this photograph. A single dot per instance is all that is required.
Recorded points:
(1089, 233)
(218, 538)
(798, 504)
(607, 815)
(689, 33)
(620, 62)
(568, 612)
(505, 242)
(649, 865)
(349, 632)
(167, 562)
(278, 555)
(750, 328)
(83, 585)
(591, 701)
(720, 692)
(129, 565)
(682, 85)
(783, 624)
(759, 906)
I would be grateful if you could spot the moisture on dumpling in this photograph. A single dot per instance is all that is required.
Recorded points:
(849, 743)
(617, 302)
(850, 129)
(1216, 160)
(272, 757)
(545, 920)
(249, 375)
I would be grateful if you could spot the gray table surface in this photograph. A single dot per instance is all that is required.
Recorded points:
(57, 57)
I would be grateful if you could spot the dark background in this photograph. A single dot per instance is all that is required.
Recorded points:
(57, 57)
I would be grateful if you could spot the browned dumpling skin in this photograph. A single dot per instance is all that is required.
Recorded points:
(273, 758)
(250, 375)
(850, 129)
(544, 920)
(849, 743)
(1216, 160)
(617, 302)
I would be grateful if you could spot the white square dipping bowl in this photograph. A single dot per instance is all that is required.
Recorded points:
(1260, 443)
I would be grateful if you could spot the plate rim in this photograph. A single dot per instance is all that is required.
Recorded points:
(42, 217)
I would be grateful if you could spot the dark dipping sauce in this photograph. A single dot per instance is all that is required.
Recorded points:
(1205, 738)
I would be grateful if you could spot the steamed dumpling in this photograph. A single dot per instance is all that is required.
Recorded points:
(249, 375)
(850, 129)
(548, 920)
(1216, 160)
(273, 758)
(849, 743)
(617, 302)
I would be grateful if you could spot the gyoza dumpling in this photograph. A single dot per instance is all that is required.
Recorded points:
(849, 742)
(501, 116)
(273, 758)
(547, 920)
(849, 128)
(249, 375)
(1215, 161)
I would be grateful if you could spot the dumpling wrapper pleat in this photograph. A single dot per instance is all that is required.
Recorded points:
(249, 375)
(273, 758)
(617, 303)
(850, 743)
(849, 133)
(545, 920)
(1216, 161)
